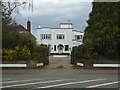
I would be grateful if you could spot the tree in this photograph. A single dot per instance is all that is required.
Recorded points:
(8, 8)
(104, 29)
(102, 35)
(11, 37)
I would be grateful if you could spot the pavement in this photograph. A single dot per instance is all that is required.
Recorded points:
(59, 74)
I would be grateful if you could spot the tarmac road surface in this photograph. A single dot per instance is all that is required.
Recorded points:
(66, 78)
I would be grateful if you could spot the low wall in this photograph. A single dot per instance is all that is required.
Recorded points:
(21, 64)
(97, 64)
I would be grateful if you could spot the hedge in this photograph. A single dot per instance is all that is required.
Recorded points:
(23, 53)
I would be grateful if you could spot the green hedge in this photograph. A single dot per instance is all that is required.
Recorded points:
(40, 53)
(84, 52)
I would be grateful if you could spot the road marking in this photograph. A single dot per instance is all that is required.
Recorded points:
(105, 84)
(34, 83)
(19, 81)
(70, 83)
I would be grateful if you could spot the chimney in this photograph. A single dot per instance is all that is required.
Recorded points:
(29, 26)
(39, 26)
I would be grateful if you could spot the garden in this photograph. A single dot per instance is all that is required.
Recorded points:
(18, 46)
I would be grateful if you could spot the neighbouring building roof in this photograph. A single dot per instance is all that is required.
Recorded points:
(18, 28)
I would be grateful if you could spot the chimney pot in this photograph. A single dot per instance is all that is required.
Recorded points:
(39, 26)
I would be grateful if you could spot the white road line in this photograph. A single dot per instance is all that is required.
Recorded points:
(105, 84)
(34, 83)
(70, 83)
(19, 81)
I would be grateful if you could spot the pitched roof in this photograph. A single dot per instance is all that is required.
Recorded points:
(18, 28)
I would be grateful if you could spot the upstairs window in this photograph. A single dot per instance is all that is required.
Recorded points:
(60, 36)
(48, 36)
(78, 37)
(45, 36)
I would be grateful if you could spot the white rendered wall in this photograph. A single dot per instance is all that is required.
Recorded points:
(68, 40)
(65, 25)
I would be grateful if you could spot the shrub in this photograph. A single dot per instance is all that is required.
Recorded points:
(112, 54)
(12, 38)
(23, 53)
(44, 51)
(82, 52)
(17, 54)
(8, 54)
(37, 56)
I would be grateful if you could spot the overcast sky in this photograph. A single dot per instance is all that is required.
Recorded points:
(50, 14)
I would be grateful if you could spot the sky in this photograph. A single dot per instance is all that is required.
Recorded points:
(52, 13)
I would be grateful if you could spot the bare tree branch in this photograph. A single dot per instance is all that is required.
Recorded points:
(9, 7)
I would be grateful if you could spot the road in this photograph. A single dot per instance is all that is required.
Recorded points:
(60, 78)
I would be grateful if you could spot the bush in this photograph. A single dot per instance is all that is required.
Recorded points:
(17, 54)
(12, 38)
(8, 55)
(23, 53)
(112, 54)
(44, 51)
(37, 56)
(95, 55)
(82, 52)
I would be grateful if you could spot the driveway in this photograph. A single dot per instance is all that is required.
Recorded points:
(59, 62)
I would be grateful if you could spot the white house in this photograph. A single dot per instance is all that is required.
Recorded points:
(59, 40)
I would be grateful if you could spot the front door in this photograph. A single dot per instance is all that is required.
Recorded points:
(60, 48)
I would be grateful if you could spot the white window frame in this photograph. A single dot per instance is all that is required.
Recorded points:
(63, 36)
(45, 36)
(76, 37)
